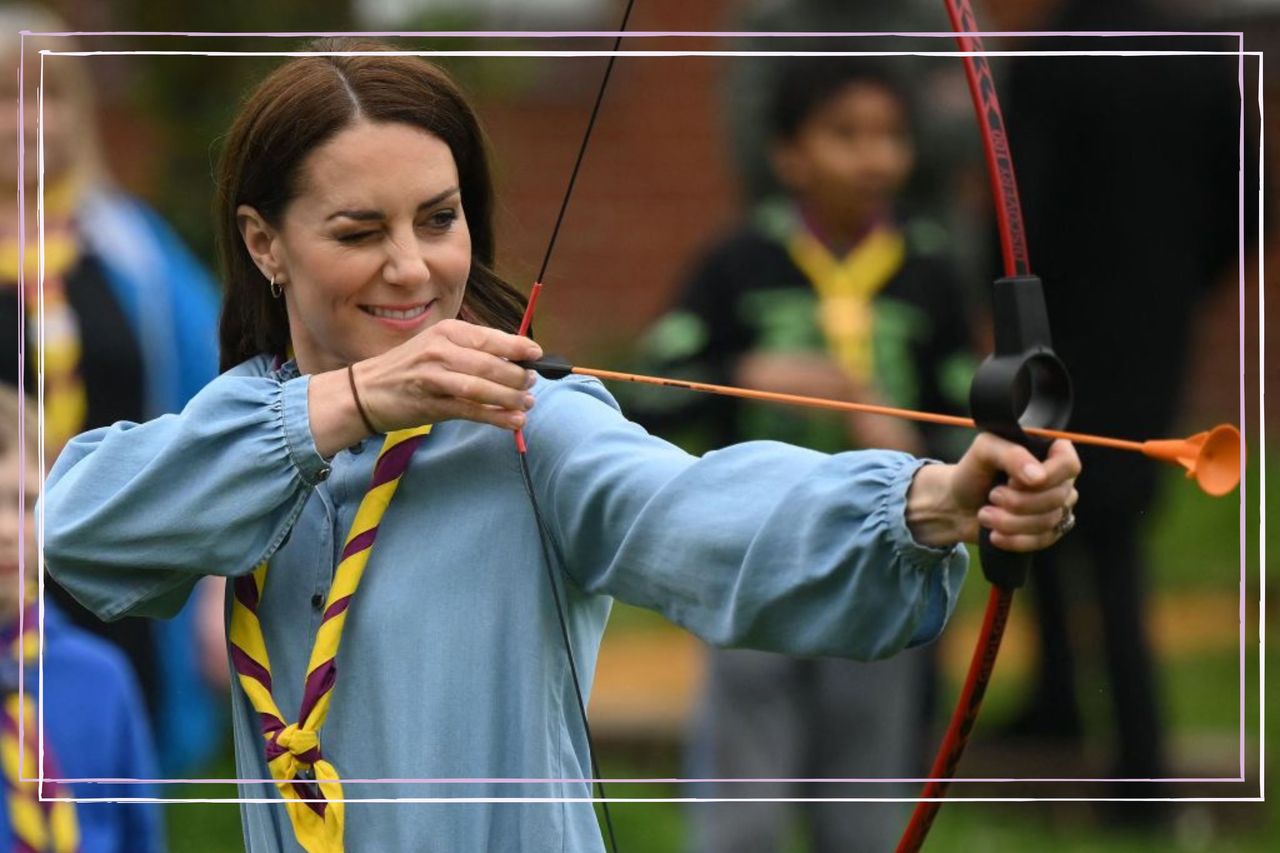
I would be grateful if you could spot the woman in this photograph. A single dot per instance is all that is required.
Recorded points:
(355, 211)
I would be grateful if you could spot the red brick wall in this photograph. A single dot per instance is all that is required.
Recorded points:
(654, 188)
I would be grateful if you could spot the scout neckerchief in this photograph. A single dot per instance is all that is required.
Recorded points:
(293, 749)
(39, 826)
(65, 401)
(845, 288)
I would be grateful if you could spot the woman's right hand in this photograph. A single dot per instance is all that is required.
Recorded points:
(452, 370)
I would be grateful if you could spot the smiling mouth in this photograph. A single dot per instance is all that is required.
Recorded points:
(411, 313)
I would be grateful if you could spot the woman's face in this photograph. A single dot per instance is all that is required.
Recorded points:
(375, 247)
(62, 127)
(849, 159)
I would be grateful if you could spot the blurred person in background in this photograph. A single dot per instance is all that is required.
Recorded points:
(824, 291)
(1128, 174)
(948, 178)
(129, 324)
(94, 722)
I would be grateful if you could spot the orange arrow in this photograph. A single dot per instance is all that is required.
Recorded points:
(1212, 458)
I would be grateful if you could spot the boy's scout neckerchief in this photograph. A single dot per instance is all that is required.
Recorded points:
(65, 401)
(845, 289)
(293, 749)
(39, 825)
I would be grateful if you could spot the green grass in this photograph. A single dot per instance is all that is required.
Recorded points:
(206, 827)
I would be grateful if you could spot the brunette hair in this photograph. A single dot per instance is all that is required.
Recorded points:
(295, 110)
(807, 84)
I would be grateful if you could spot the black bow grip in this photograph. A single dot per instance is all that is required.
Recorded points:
(1023, 383)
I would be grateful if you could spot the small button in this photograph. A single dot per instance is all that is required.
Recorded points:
(323, 474)
(317, 601)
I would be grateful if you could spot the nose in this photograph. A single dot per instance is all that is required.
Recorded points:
(405, 265)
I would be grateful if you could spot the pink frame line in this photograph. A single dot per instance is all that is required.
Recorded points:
(647, 34)
(707, 34)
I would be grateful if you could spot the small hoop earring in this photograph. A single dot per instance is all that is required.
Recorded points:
(277, 289)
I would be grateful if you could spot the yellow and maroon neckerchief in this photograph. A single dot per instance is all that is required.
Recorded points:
(845, 288)
(66, 403)
(39, 825)
(308, 782)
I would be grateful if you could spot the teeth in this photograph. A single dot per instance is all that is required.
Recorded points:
(392, 314)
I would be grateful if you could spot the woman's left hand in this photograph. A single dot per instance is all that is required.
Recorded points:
(1034, 509)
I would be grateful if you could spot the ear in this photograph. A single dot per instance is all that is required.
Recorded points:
(261, 241)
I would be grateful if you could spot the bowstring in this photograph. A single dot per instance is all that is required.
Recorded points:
(545, 537)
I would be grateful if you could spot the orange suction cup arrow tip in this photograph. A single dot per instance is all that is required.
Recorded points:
(1212, 458)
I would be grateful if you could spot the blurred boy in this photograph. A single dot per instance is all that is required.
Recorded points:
(826, 293)
(94, 721)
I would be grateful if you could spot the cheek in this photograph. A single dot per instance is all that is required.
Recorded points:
(329, 276)
(899, 158)
(460, 262)
(454, 260)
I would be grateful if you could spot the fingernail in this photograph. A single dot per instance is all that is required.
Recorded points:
(528, 402)
(996, 496)
(985, 516)
(530, 379)
(517, 421)
(1032, 471)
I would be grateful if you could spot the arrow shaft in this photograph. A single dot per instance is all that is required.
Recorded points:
(843, 406)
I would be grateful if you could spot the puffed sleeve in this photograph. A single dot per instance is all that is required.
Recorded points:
(760, 545)
(135, 514)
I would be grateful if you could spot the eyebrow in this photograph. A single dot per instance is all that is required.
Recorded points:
(371, 215)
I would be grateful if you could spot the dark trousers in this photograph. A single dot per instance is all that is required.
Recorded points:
(1102, 559)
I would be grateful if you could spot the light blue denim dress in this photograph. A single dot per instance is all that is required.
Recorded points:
(451, 667)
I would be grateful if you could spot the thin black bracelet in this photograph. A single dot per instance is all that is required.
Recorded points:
(364, 416)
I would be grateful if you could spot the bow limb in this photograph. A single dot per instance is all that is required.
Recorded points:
(1023, 356)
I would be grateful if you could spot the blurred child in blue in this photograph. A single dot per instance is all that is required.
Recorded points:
(95, 725)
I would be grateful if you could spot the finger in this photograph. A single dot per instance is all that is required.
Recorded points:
(492, 341)
(1002, 456)
(1023, 502)
(487, 366)
(480, 413)
(1062, 462)
(474, 389)
(1002, 521)
(1022, 542)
